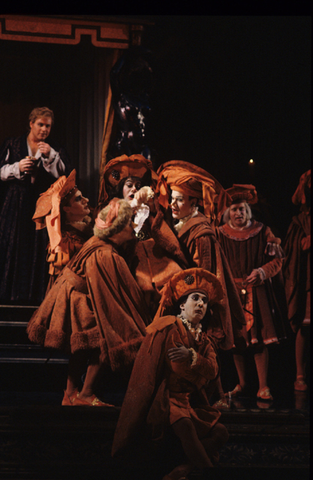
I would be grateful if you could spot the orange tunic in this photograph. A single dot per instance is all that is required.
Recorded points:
(297, 270)
(265, 304)
(202, 249)
(160, 391)
(95, 302)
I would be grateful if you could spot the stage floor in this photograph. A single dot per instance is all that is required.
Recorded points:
(41, 440)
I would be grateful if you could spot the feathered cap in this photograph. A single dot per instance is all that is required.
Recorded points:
(188, 281)
(195, 182)
(123, 167)
(243, 193)
(48, 212)
(299, 197)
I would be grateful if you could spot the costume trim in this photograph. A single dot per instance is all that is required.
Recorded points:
(241, 235)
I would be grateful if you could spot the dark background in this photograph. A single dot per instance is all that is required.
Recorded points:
(231, 88)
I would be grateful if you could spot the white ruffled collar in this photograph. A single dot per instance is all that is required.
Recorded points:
(179, 225)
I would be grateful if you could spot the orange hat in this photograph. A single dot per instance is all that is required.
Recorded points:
(193, 181)
(243, 193)
(47, 213)
(299, 197)
(186, 282)
(123, 167)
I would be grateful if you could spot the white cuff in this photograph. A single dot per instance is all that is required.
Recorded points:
(194, 356)
(11, 171)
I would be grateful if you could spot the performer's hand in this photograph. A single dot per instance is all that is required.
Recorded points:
(255, 278)
(145, 195)
(26, 165)
(179, 354)
(44, 148)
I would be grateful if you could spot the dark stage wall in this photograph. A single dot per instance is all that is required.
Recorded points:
(228, 89)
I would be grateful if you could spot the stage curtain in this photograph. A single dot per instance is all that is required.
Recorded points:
(108, 124)
(96, 119)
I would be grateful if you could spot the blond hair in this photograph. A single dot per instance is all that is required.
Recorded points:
(40, 112)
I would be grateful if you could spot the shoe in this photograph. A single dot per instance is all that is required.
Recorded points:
(221, 404)
(238, 390)
(94, 403)
(264, 394)
(300, 386)
(68, 399)
(264, 405)
(238, 404)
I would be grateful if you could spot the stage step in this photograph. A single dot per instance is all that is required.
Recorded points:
(15, 347)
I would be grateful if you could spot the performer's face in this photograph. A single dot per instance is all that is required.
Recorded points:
(40, 128)
(182, 205)
(77, 208)
(131, 186)
(238, 215)
(195, 307)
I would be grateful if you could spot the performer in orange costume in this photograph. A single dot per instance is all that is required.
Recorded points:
(95, 308)
(297, 273)
(255, 258)
(155, 255)
(174, 366)
(65, 212)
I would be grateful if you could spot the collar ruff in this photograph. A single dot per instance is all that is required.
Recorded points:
(194, 330)
(235, 234)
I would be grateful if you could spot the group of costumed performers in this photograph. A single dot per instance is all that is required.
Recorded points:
(155, 255)
(95, 310)
(194, 201)
(166, 272)
(28, 166)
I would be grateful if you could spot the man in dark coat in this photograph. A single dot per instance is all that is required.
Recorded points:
(28, 166)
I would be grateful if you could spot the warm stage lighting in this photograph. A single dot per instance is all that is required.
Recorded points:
(251, 160)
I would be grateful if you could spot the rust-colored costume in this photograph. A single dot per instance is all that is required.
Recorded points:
(157, 256)
(297, 269)
(72, 241)
(95, 302)
(202, 249)
(151, 264)
(66, 239)
(160, 392)
(265, 307)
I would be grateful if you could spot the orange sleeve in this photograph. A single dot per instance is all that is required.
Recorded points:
(206, 366)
